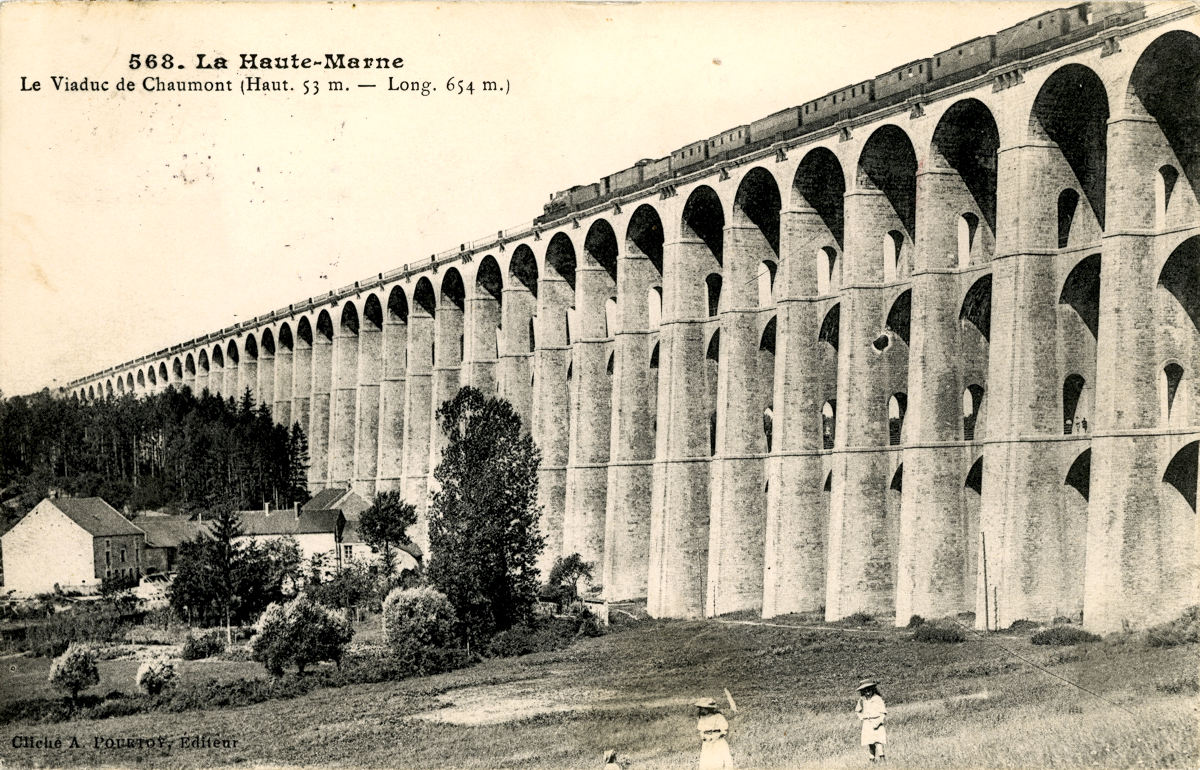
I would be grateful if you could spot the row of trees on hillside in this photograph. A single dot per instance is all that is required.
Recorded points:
(169, 450)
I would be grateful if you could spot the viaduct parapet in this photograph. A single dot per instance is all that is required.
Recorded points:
(927, 345)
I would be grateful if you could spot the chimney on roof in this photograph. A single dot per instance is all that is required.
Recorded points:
(297, 509)
(52, 494)
(266, 508)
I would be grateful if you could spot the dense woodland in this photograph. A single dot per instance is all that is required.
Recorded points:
(173, 450)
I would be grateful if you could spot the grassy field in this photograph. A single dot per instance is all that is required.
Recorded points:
(964, 705)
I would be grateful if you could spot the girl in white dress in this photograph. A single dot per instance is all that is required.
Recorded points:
(713, 727)
(872, 712)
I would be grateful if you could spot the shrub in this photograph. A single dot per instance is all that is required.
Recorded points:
(916, 621)
(203, 646)
(1184, 629)
(75, 670)
(858, 619)
(939, 634)
(1187, 685)
(1023, 625)
(537, 635)
(299, 633)
(586, 622)
(1063, 635)
(417, 621)
(156, 676)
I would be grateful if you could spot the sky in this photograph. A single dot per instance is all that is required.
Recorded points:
(132, 221)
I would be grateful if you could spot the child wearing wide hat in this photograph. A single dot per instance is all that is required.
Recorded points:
(713, 727)
(872, 712)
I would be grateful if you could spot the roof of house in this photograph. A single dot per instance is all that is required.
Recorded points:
(171, 531)
(284, 521)
(325, 500)
(96, 517)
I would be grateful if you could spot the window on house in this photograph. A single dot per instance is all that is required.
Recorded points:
(348, 552)
(107, 558)
(122, 555)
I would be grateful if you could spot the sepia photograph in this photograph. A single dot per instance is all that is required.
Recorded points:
(600, 385)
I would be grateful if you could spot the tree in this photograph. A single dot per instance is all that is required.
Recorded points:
(385, 525)
(565, 576)
(298, 465)
(75, 670)
(300, 633)
(219, 580)
(483, 521)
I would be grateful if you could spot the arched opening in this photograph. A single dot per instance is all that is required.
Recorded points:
(1181, 472)
(897, 406)
(830, 326)
(888, 165)
(424, 299)
(1080, 473)
(1164, 85)
(757, 202)
(1180, 276)
(1074, 418)
(766, 283)
(177, 369)
(900, 315)
(598, 287)
(129, 377)
(397, 305)
(162, 373)
(487, 310)
(644, 237)
(120, 385)
(654, 307)
(1068, 204)
(965, 141)
(972, 404)
(1164, 190)
(654, 356)
(968, 224)
(977, 306)
(518, 321)
(820, 184)
(828, 271)
(151, 377)
(704, 219)
(828, 423)
(767, 419)
(1071, 110)
(1172, 375)
(1081, 291)
(713, 282)
(893, 248)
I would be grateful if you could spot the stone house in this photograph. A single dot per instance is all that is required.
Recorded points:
(71, 542)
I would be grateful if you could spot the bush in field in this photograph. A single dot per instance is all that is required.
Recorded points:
(916, 621)
(75, 670)
(299, 633)
(417, 622)
(586, 622)
(204, 646)
(156, 676)
(1184, 629)
(939, 634)
(1063, 635)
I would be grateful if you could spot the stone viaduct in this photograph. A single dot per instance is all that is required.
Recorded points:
(939, 357)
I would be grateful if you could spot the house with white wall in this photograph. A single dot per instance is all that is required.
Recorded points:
(315, 532)
(71, 542)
